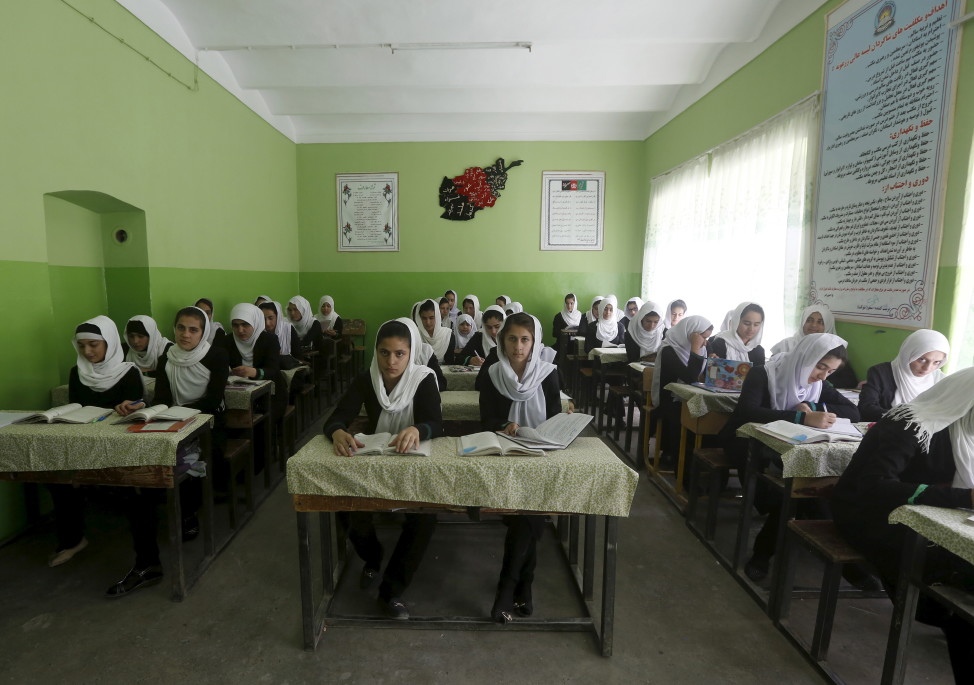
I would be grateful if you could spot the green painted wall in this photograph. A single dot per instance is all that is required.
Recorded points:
(786, 72)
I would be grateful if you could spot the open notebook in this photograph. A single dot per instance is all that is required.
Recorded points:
(378, 443)
(160, 412)
(556, 433)
(489, 443)
(842, 431)
(67, 413)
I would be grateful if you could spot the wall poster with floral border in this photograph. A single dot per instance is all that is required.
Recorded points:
(368, 212)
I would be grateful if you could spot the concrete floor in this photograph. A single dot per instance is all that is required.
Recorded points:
(680, 617)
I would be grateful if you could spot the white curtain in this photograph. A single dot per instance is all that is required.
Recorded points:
(962, 321)
(731, 225)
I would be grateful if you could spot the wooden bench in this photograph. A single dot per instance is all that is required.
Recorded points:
(713, 462)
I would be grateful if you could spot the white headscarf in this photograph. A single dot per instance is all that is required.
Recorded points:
(571, 318)
(678, 338)
(327, 321)
(157, 344)
(514, 308)
(397, 406)
(666, 315)
(440, 340)
(304, 307)
(917, 344)
(737, 349)
(827, 318)
(950, 403)
(506, 298)
(608, 331)
(639, 303)
(588, 313)
(788, 373)
(528, 402)
(265, 298)
(106, 373)
(214, 325)
(489, 343)
(253, 315)
(455, 311)
(725, 325)
(648, 341)
(477, 314)
(282, 329)
(188, 377)
(462, 339)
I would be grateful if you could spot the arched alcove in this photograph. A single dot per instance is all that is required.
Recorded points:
(97, 261)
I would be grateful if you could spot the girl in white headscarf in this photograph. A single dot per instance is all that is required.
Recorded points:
(569, 316)
(253, 352)
(644, 333)
(607, 331)
(502, 301)
(400, 397)
(451, 295)
(463, 330)
(145, 343)
(217, 333)
(471, 307)
(791, 387)
(307, 327)
(513, 308)
(476, 351)
(915, 369)
(287, 337)
(742, 340)
(920, 452)
(675, 311)
(331, 322)
(522, 391)
(815, 318)
(632, 308)
(680, 358)
(426, 316)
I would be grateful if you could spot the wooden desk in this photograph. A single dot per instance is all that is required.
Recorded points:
(105, 453)
(949, 529)
(585, 479)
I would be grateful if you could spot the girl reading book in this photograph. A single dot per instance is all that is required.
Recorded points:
(915, 369)
(308, 328)
(400, 397)
(607, 330)
(522, 390)
(644, 333)
(742, 340)
(479, 347)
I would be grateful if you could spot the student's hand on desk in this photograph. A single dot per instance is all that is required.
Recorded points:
(819, 419)
(511, 428)
(477, 361)
(244, 371)
(126, 408)
(405, 440)
(345, 443)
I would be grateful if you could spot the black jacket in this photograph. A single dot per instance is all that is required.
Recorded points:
(128, 389)
(211, 402)
(718, 346)
(592, 341)
(427, 412)
(494, 407)
(877, 395)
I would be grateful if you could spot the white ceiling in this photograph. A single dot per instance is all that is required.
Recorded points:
(365, 70)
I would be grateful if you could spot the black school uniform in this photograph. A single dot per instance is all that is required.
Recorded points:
(672, 370)
(153, 372)
(884, 473)
(592, 340)
(417, 528)
(877, 395)
(558, 325)
(474, 348)
(718, 346)
(633, 351)
(267, 361)
(494, 407)
(217, 363)
(338, 327)
(310, 341)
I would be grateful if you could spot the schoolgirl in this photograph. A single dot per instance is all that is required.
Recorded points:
(815, 318)
(400, 397)
(261, 299)
(287, 337)
(791, 387)
(513, 308)
(607, 331)
(591, 316)
(145, 343)
(331, 322)
(217, 333)
(101, 378)
(471, 307)
(568, 318)
(463, 332)
(675, 311)
(502, 301)
(485, 340)
(445, 319)
(426, 316)
(632, 308)
(253, 352)
(644, 333)
(742, 340)
(451, 296)
(308, 328)
(915, 369)
(522, 390)
(920, 452)
(680, 358)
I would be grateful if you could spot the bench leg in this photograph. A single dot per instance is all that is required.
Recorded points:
(826, 612)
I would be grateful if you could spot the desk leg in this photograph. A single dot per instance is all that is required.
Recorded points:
(588, 567)
(327, 559)
(206, 455)
(747, 503)
(307, 590)
(777, 573)
(563, 529)
(573, 540)
(680, 460)
(609, 583)
(904, 608)
(175, 524)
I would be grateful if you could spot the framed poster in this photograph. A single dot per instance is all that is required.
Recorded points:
(887, 91)
(368, 212)
(572, 209)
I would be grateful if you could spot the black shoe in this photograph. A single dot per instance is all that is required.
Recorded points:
(367, 577)
(394, 608)
(860, 578)
(523, 603)
(135, 579)
(757, 568)
(191, 528)
(503, 609)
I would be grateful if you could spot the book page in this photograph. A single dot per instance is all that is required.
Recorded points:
(177, 413)
(479, 444)
(84, 415)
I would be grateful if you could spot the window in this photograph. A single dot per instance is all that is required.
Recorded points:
(962, 320)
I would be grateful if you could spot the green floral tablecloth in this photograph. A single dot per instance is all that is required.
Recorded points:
(236, 398)
(948, 528)
(818, 460)
(63, 446)
(586, 478)
(701, 402)
(464, 405)
(608, 355)
(460, 377)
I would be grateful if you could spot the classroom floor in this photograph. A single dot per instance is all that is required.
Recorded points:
(680, 617)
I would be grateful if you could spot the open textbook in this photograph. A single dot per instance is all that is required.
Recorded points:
(489, 443)
(378, 443)
(841, 431)
(160, 412)
(67, 413)
(556, 433)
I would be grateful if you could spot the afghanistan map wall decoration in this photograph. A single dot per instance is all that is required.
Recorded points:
(461, 197)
